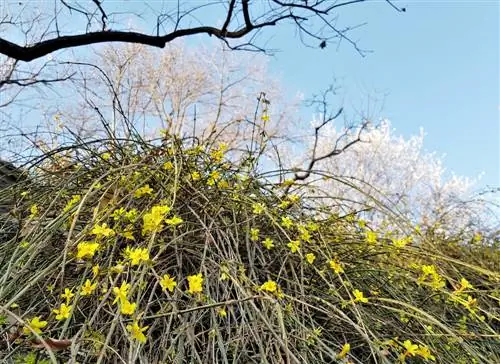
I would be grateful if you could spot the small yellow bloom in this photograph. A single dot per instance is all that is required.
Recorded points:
(258, 208)
(137, 332)
(195, 283)
(136, 255)
(121, 293)
(425, 353)
(222, 312)
(168, 166)
(411, 349)
(142, 191)
(35, 324)
(168, 283)
(269, 286)
(359, 296)
(310, 258)
(68, 295)
(34, 210)
(24, 244)
(371, 237)
(62, 312)
(254, 234)
(195, 176)
(102, 231)
(336, 266)
(286, 222)
(174, 221)
(268, 243)
(88, 288)
(127, 308)
(294, 246)
(86, 249)
(345, 350)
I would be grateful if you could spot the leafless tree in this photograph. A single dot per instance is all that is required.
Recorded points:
(37, 29)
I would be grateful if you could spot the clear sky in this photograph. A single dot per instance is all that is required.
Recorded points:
(435, 66)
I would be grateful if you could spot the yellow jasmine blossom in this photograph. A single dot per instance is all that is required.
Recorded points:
(174, 221)
(222, 312)
(269, 286)
(121, 293)
(294, 246)
(24, 244)
(345, 350)
(74, 200)
(286, 222)
(359, 296)
(195, 283)
(168, 166)
(336, 266)
(195, 176)
(34, 210)
(35, 324)
(102, 230)
(268, 243)
(137, 332)
(118, 268)
(68, 295)
(128, 235)
(136, 255)
(284, 204)
(464, 284)
(425, 353)
(62, 312)
(411, 349)
(142, 191)
(95, 270)
(310, 258)
(127, 308)
(168, 283)
(371, 237)
(258, 208)
(86, 249)
(131, 215)
(428, 270)
(88, 288)
(254, 234)
(118, 213)
(152, 221)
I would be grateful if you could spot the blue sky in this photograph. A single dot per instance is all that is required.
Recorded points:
(435, 66)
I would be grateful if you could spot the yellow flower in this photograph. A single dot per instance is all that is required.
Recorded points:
(34, 210)
(128, 235)
(152, 221)
(371, 237)
(35, 324)
(195, 283)
(359, 296)
(62, 312)
(254, 234)
(118, 268)
(102, 230)
(74, 200)
(127, 308)
(345, 350)
(174, 221)
(222, 312)
(136, 255)
(286, 222)
(425, 353)
(131, 215)
(195, 176)
(336, 266)
(268, 243)
(144, 190)
(137, 332)
(411, 349)
(86, 249)
(464, 284)
(310, 257)
(88, 288)
(269, 286)
(68, 295)
(428, 270)
(258, 208)
(24, 244)
(168, 166)
(121, 293)
(294, 246)
(168, 283)
(105, 156)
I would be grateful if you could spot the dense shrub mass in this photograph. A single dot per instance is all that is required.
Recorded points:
(184, 252)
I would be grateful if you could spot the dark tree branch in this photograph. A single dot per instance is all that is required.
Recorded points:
(278, 11)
